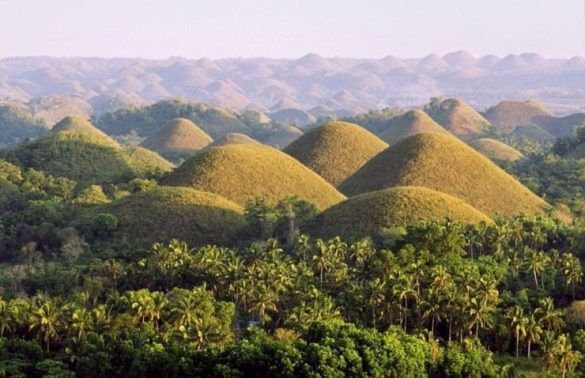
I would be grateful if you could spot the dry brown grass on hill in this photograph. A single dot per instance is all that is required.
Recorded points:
(507, 115)
(234, 138)
(444, 163)
(243, 172)
(283, 137)
(179, 135)
(166, 213)
(410, 123)
(336, 150)
(496, 151)
(370, 213)
(458, 118)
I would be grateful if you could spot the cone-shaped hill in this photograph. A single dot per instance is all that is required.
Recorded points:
(507, 115)
(166, 213)
(458, 118)
(79, 124)
(179, 136)
(369, 213)
(88, 157)
(496, 151)
(336, 150)
(410, 123)
(446, 164)
(242, 172)
(234, 138)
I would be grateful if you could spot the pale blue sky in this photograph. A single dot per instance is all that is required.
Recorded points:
(287, 28)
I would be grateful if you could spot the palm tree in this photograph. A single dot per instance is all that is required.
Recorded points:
(434, 308)
(550, 317)
(6, 317)
(81, 322)
(404, 290)
(518, 322)
(571, 268)
(479, 314)
(533, 332)
(537, 262)
(375, 297)
(322, 260)
(45, 320)
(263, 300)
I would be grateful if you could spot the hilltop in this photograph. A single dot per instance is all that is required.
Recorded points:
(166, 213)
(507, 115)
(234, 138)
(87, 156)
(369, 214)
(458, 117)
(496, 151)
(443, 163)
(243, 172)
(336, 150)
(78, 124)
(410, 123)
(178, 136)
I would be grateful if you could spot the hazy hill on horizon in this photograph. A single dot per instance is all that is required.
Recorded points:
(319, 86)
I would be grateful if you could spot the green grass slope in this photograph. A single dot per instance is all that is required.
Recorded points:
(446, 164)
(179, 135)
(88, 158)
(458, 118)
(79, 124)
(496, 151)
(336, 150)
(234, 138)
(166, 213)
(369, 213)
(242, 172)
(410, 123)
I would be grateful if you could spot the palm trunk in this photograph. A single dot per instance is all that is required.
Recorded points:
(535, 278)
(529, 345)
(433, 326)
(517, 342)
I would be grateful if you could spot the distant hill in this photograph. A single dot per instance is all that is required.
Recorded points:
(233, 138)
(167, 213)
(282, 137)
(147, 120)
(178, 136)
(443, 163)
(292, 116)
(507, 115)
(17, 125)
(532, 131)
(370, 213)
(410, 123)
(458, 118)
(78, 124)
(336, 150)
(86, 155)
(86, 85)
(243, 172)
(496, 151)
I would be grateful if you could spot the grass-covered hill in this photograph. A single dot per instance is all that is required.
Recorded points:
(507, 115)
(166, 213)
(178, 136)
(284, 136)
(370, 213)
(336, 150)
(496, 151)
(79, 124)
(17, 125)
(458, 117)
(234, 138)
(408, 124)
(532, 132)
(87, 156)
(446, 164)
(146, 120)
(243, 172)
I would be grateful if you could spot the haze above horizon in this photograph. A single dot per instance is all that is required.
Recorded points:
(288, 29)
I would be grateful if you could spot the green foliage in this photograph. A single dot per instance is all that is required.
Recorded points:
(17, 125)
(92, 195)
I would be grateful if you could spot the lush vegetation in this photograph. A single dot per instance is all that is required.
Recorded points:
(17, 125)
